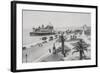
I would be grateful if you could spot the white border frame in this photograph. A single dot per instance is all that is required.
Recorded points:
(21, 66)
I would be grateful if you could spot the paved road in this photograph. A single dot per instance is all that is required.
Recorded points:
(37, 52)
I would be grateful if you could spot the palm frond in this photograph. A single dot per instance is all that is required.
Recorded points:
(85, 49)
(76, 48)
(75, 51)
(75, 44)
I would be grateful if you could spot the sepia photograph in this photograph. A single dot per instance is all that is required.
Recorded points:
(56, 36)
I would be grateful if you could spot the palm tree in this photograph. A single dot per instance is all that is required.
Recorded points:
(81, 47)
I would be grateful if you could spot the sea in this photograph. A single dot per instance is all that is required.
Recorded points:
(27, 39)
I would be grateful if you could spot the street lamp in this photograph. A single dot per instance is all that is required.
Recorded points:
(26, 58)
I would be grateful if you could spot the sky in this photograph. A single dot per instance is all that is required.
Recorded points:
(57, 19)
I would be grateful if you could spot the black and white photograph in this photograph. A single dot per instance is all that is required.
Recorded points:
(56, 36)
(47, 36)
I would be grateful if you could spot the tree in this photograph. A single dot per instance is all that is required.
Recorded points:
(63, 50)
(81, 46)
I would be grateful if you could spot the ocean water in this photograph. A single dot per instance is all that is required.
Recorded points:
(27, 39)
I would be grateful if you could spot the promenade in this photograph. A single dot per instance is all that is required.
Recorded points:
(36, 52)
(44, 53)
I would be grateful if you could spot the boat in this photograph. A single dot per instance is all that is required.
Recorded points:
(47, 30)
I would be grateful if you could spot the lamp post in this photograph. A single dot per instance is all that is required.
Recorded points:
(54, 49)
(26, 58)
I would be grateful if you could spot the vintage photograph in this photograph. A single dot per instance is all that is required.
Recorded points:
(50, 36)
